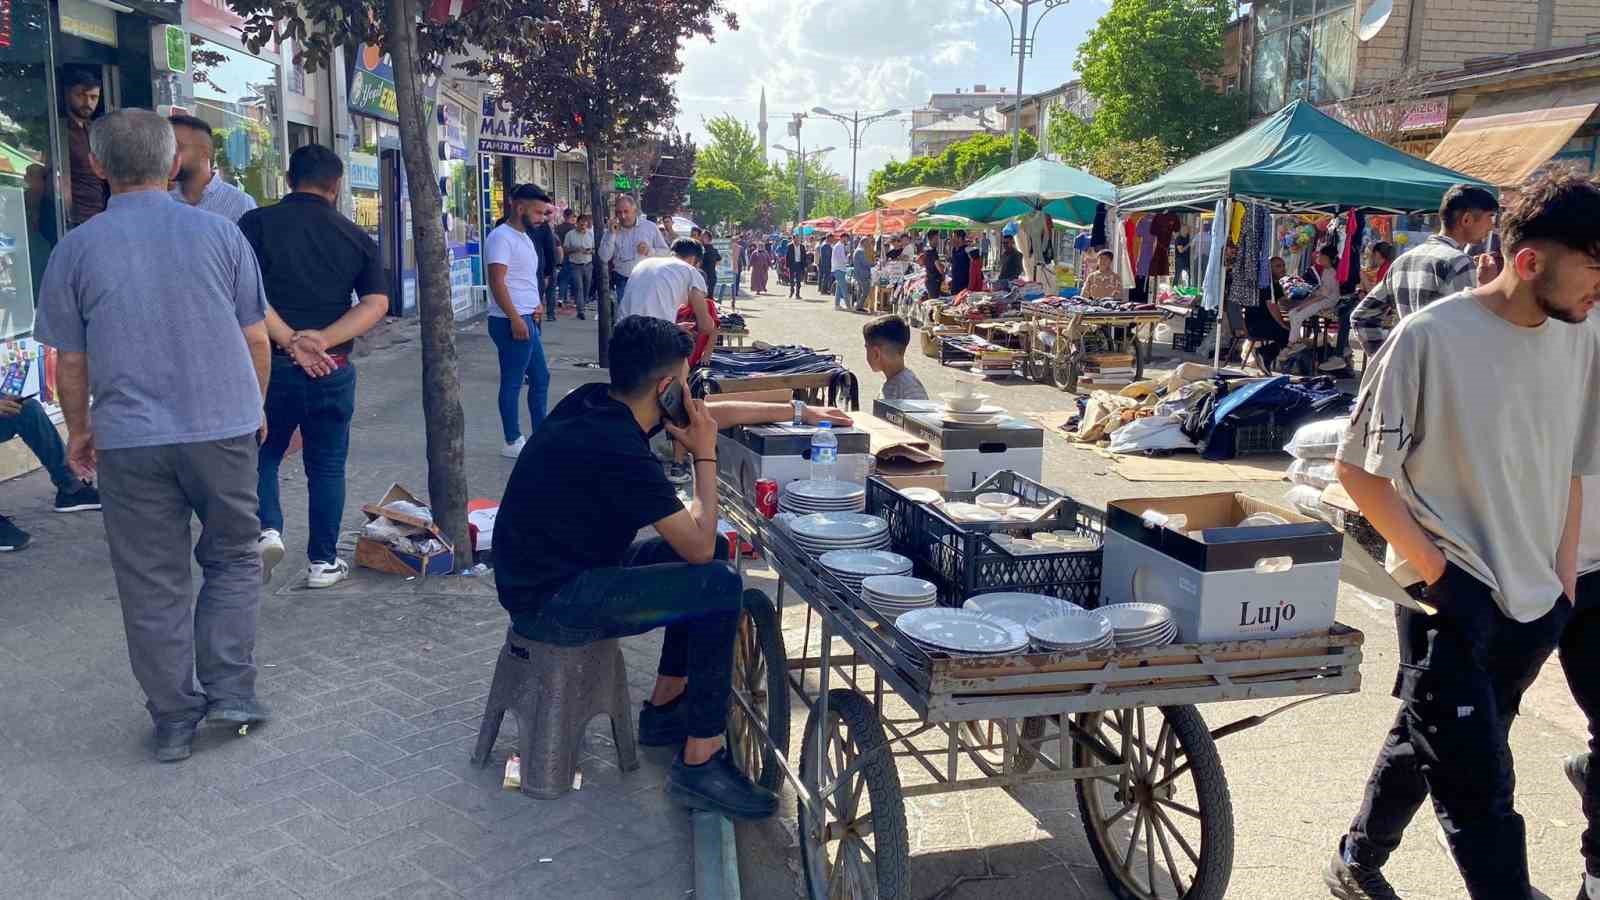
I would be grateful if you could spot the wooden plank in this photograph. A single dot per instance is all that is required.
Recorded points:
(1112, 674)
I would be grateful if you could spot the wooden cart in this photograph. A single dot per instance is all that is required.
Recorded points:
(1061, 340)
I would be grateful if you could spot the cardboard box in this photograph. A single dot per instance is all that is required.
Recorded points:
(384, 558)
(1223, 582)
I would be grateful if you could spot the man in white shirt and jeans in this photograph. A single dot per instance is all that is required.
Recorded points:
(1472, 472)
(513, 265)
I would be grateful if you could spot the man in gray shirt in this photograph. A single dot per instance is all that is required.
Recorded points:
(158, 313)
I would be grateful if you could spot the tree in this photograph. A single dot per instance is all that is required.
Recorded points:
(666, 177)
(959, 165)
(734, 154)
(605, 79)
(1118, 160)
(1381, 111)
(715, 201)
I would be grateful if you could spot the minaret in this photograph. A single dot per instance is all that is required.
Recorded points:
(761, 124)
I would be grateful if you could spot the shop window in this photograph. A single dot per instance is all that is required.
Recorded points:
(1332, 76)
(30, 216)
(238, 94)
(1305, 50)
(1267, 79)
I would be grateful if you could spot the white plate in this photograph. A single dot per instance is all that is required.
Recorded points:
(861, 563)
(1084, 627)
(1262, 519)
(998, 501)
(899, 587)
(1019, 607)
(963, 631)
(922, 495)
(1136, 616)
(961, 419)
(963, 402)
(970, 512)
(834, 527)
(824, 490)
(920, 405)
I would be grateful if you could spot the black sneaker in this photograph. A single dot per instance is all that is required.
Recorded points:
(1577, 769)
(12, 537)
(81, 498)
(663, 726)
(1348, 882)
(718, 786)
(174, 740)
(234, 713)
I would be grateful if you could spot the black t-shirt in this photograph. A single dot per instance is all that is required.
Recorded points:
(544, 238)
(709, 257)
(581, 490)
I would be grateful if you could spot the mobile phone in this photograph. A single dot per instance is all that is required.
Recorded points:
(673, 407)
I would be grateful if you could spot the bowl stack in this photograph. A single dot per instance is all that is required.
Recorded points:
(806, 497)
(1137, 625)
(852, 566)
(895, 595)
(962, 632)
(1077, 631)
(970, 409)
(819, 533)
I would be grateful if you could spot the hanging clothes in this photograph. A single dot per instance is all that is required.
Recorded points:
(1162, 228)
(1211, 292)
(1097, 236)
(1235, 222)
(1244, 276)
(1147, 246)
(1264, 236)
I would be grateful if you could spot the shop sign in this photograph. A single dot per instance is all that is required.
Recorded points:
(452, 132)
(169, 49)
(81, 18)
(1428, 114)
(505, 133)
(372, 91)
(460, 280)
(5, 24)
(362, 172)
(623, 183)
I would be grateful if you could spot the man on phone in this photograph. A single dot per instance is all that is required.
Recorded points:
(630, 238)
(25, 417)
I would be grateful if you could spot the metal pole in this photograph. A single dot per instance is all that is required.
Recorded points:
(1022, 59)
(855, 143)
(799, 175)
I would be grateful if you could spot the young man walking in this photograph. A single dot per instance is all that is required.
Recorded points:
(312, 259)
(795, 261)
(157, 311)
(841, 271)
(1478, 493)
(577, 251)
(513, 321)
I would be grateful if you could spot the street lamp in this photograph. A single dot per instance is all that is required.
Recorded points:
(857, 123)
(800, 176)
(1022, 43)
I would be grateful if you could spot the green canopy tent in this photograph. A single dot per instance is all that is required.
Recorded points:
(1301, 160)
(1058, 190)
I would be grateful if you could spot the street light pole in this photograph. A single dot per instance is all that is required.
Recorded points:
(1022, 44)
(857, 123)
(800, 157)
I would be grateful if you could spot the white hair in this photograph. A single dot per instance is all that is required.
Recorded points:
(134, 147)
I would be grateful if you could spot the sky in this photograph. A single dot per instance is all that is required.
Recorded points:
(867, 55)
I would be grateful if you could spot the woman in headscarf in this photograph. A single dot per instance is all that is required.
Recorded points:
(760, 262)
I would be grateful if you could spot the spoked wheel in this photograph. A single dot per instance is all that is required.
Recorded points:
(1139, 357)
(855, 847)
(986, 732)
(1037, 367)
(1163, 828)
(758, 677)
(1067, 369)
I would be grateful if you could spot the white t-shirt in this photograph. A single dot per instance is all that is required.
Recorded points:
(513, 249)
(1589, 530)
(1483, 454)
(658, 286)
(841, 257)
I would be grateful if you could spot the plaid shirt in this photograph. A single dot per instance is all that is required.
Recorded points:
(1437, 268)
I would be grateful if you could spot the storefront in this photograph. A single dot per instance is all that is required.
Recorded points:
(458, 183)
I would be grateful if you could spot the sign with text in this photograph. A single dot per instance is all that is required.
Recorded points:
(361, 170)
(505, 133)
(372, 91)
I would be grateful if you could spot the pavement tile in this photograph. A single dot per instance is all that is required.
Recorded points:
(320, 833)
(300, 869)
(434, 737)
(354, 774)
(377, 882)
(412, 786)
(421, 889)
(339, 802)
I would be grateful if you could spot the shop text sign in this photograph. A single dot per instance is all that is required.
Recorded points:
(361, 171)
(372, 91)
(505, 133)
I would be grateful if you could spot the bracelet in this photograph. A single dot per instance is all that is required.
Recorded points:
(698, 460)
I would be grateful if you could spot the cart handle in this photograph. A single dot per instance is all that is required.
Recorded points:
(1249, 722)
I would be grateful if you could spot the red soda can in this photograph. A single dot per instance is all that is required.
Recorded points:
(767, 497)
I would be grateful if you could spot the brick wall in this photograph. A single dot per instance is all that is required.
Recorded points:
(1574, 21)
(1455, 31)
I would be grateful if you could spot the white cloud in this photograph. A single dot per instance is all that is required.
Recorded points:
(955, 53)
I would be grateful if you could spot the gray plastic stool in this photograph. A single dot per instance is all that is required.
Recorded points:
(554, 692)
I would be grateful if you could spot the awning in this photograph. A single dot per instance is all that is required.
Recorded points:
(1506, 137)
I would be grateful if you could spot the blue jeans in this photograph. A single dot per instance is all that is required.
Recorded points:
(520, 361)
(565, 286)
(321, 408)
(33, 425)
(841, 288)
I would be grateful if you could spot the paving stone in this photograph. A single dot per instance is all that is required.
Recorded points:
(354, 774)
(300, 869)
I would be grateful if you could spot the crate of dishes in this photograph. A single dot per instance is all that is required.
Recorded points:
(1010, 533)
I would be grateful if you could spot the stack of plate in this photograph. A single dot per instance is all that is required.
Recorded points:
(851, 566)
(808, 496)
(1076, 631)
(1141, 624)
(1020, 607)
(962, 632)
(819, 533)
(987, 414)
(895, 595)
(971, 512)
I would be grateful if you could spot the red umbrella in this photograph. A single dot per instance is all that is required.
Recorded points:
(826, 223)
(880, 221)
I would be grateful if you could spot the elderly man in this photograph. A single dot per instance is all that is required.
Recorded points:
(158, 312)
(630, 238)
(198, 183)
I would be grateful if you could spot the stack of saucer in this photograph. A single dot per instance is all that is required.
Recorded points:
(1140, 624)
(1076, 631)
(895, 595)
(1020, 607)
(819, 533)
(970, 409)
(822, 496)
(851, 566)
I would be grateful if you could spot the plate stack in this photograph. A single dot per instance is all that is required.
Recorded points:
(819, 533)
(895, 595)
(1077, 631)
(970, 409)
(962, 632)
(851, 566)
(1020, 608)
(1141, 624)
(808, 496)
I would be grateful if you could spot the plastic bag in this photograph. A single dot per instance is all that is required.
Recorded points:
(1317, 440)
(1316, 473)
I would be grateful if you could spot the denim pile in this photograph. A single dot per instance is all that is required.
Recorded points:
(725, 364)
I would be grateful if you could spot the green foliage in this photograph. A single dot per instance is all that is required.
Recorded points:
(767, 191)
(1121, 161)
(668, 180)
(715, 200)
(734, 154)
(959, 165)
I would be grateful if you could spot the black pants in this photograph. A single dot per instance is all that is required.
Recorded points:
(797, 277)
(654, 588)
(1462, 675)
(1580, 660)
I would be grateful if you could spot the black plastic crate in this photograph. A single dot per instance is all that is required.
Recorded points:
(962, 559)
(1262, 437)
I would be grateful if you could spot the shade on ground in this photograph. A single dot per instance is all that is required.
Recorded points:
(1059, 190)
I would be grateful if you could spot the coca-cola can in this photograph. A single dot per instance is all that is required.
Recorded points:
(767, 497)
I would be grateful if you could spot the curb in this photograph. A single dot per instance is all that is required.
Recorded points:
(716, 857)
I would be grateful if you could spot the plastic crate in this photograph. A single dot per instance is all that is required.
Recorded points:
(962, 559)
(1263, 437)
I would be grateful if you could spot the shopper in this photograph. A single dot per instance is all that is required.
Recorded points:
(709, 258)
(1011, 261)
(25, 417)
(760, 263)
(86, 190)
(543, 233)
(862, 269)
(1487, 548)
(564, 277)
(629, 238)
(577, 250)
(959, 261)
(839, 254)
(1324, 298)
(740, 250)
(933, 276)
(887, 339)
(157, 311)
(796, 261)
(824, 265)
(198, 182)
(1102, 283)
(513, 263)
(312, 260)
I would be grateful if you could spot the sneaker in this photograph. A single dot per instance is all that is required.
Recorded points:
(174, 740)
(234, 713)
(12, 537)
(663, 726)
(326, 574)
(514, 449)
(1352, 882)
(718, 786)
(269, 546)
(1577, 768)
(679, 472)
(80, 498)
(1590, 889)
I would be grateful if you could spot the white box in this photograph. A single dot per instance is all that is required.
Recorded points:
(1221, 582)
(782, 453)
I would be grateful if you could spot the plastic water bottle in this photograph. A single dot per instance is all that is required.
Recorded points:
(824, 452)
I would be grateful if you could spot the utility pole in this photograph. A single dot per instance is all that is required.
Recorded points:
(800, 170)
(800, 156)
(857, 123)
(1022, 44)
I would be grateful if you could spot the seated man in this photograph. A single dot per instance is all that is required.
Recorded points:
(25, 417)
(569, 573)
(887, 338)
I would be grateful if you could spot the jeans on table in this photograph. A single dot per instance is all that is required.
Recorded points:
(698, 605)
(1580, 660)
(33, 425)
(520, 361)
(321, 408)
(1462, 675)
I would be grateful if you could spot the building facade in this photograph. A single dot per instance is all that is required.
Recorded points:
(953, 116)
(1037, 110)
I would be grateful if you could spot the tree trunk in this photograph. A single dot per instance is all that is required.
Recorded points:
(441, 384)
(601, 220)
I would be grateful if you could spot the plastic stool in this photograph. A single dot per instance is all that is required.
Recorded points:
(554, 692)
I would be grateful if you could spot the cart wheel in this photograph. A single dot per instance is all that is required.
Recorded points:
(857, 848)
(1163, 828)
(1022, 761)
(758, 676)
(1135, 347)
(1067, 369)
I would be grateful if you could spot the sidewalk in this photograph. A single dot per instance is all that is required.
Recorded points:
(360, 786)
